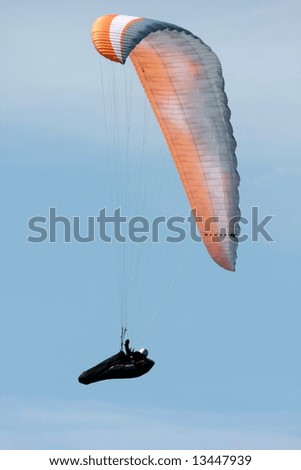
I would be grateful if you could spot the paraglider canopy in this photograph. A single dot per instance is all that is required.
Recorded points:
(183, 81)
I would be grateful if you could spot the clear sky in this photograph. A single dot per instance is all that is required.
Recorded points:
(226, 345)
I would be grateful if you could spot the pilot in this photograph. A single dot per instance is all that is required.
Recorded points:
(133, 355)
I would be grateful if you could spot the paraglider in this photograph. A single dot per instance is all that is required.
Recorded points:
(123, 365)
(182, 79)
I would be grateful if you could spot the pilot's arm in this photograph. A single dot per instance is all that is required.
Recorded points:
(127, 348)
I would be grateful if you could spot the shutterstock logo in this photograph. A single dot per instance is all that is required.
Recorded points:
(139, 229)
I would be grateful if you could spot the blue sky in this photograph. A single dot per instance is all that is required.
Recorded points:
(226, 345)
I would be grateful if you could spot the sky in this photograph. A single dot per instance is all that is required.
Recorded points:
(226, 345)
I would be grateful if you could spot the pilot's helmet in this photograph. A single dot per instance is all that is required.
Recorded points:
(144, 352)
